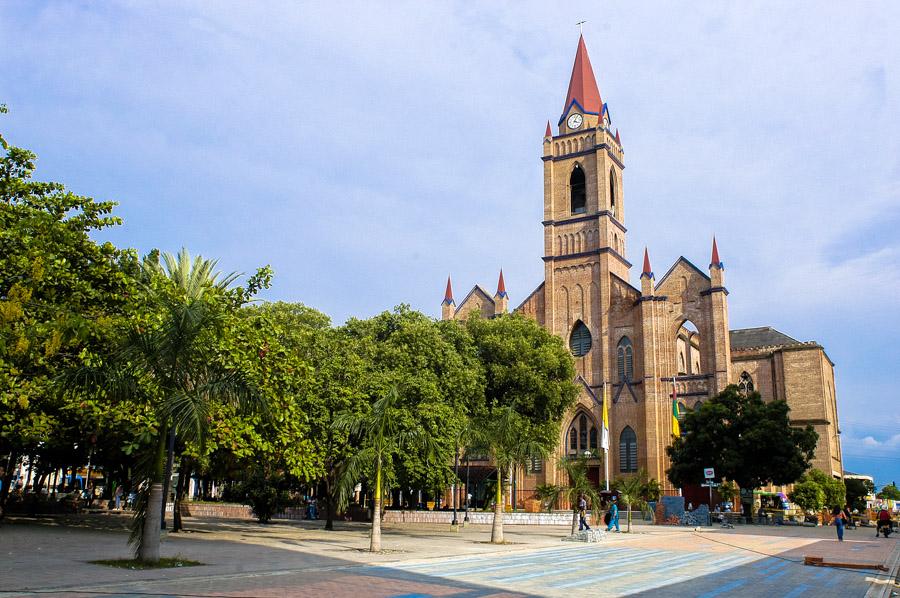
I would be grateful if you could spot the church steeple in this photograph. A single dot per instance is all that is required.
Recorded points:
(501, 299)
(583, 90)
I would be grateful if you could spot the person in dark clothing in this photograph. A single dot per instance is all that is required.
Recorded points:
(582, 514)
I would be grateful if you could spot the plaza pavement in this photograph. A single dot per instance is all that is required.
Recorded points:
(300, 559)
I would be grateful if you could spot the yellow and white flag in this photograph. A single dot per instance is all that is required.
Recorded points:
(604, 437)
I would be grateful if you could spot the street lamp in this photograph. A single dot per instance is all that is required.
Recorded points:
(455, 523)
(466, 504)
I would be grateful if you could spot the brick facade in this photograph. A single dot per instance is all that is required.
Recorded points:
(681, 318)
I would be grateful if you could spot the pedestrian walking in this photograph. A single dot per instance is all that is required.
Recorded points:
(613, 516)
(838, 522)
(582, 513)
(118, 497)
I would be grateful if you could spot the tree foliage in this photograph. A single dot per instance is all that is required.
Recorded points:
(745, 439)
(808, 495)
(889, 492)
(834, 493)
(857, 491)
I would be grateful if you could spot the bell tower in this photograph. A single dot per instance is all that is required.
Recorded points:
(584, 231)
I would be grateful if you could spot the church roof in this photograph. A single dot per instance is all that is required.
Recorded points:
(583, 89)
(764, 336)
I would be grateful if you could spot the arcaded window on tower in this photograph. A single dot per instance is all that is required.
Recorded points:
(628, 451)
(625, 360)
(578, 189)
(746, 383)
(612, 192)
(580, 341)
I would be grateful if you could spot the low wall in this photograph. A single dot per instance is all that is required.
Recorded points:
(483, 517)
(232, 511)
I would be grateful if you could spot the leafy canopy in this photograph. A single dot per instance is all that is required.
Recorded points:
(744, 438)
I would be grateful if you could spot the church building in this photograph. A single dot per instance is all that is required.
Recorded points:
(635, 340)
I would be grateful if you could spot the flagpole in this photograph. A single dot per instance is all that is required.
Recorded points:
(606, 429)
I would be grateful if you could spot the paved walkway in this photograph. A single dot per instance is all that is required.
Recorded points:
(244, 559)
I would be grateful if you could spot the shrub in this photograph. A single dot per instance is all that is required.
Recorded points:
(265, 496)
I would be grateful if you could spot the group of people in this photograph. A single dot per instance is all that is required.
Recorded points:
(842, 518)
(611, 518)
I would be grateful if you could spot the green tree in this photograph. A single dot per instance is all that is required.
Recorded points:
(833, 491)
(380, 438)
(170, 359)
(575, 471)
(60, 294)
(857, 491)
(808, 495)
(631, 491)
(510, 440)
(440, 381)
(746, 439)
(890, 492)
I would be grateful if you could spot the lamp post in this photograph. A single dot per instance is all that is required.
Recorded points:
(455, 523)
(466, 504)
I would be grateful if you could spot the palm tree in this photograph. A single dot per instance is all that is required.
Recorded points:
(380, 437)
(630, 492)
(169, 360)
(507, 437)
(576, 470)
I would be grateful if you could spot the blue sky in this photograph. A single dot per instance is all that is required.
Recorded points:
(365, 150)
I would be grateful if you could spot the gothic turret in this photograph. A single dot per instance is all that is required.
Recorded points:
(716, 268)
(501, 299)
(648, 281)
(448, 306)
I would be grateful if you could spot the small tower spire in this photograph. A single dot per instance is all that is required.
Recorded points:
(501, 299)
(618, 139)
(716, 262)
(549, 131)
(501, 286)
(716, 268)
(647, 270)
(448, 294)
(648, 284)
(448, 306)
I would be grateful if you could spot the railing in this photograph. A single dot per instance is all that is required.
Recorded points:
(691, 386)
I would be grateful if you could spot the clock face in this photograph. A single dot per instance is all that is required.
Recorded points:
(574, 121)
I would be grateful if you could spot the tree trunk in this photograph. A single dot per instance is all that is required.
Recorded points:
(11, 463)
(375, 545)
(184, 476)
(629, 518)
(148, 549)
(497, 527)
(574, 520)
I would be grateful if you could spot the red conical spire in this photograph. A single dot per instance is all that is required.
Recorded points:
(448, 294)
(548, 132)
(715, 255)
(501, 286)
(647, 269)
(583, 86)
(618, 139)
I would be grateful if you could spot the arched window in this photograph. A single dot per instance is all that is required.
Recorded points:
(697, 405)
(580, 341)
(681, 369)
(612, 191)
(746, 383)
(582, 434)
(627, 451)
(625, 360)
(578, 190)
